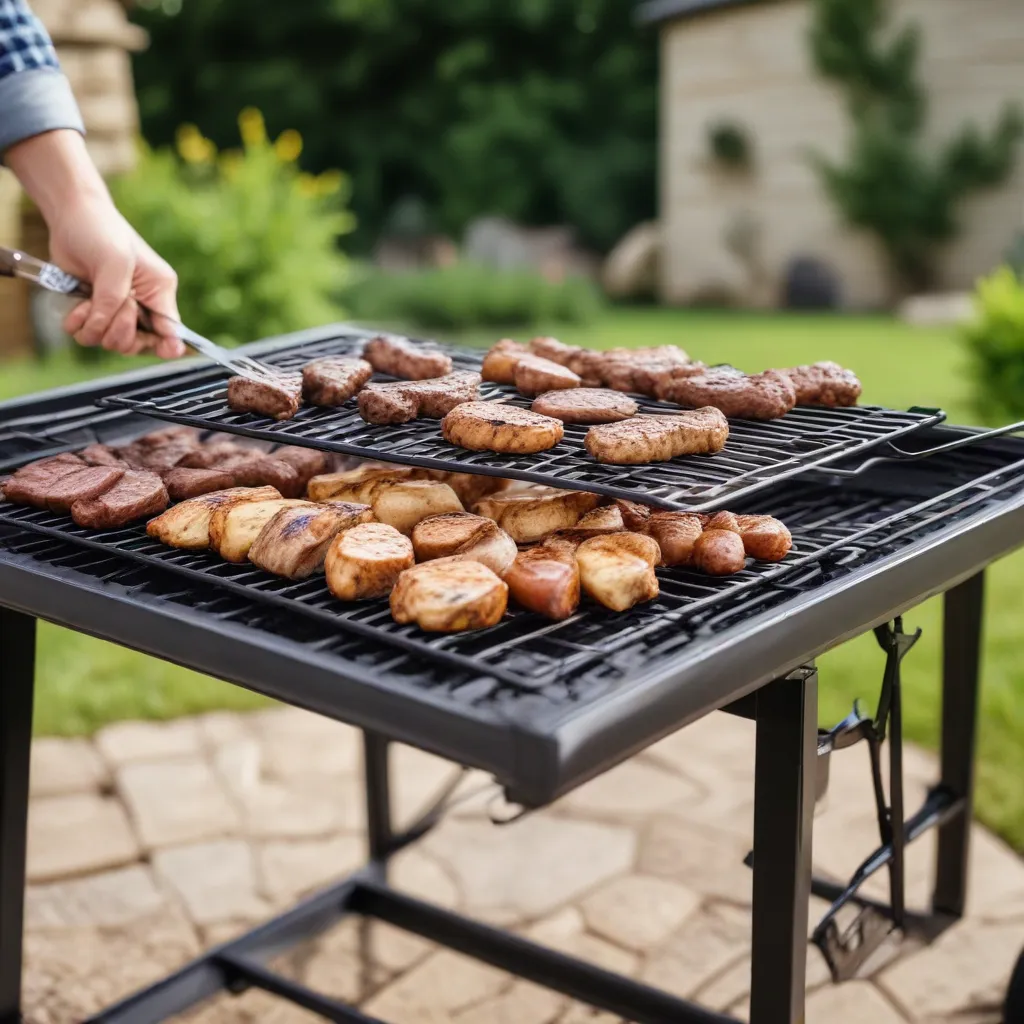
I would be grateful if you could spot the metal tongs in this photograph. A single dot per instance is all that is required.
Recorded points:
(14, 263)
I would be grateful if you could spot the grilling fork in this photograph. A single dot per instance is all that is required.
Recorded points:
(19, 264)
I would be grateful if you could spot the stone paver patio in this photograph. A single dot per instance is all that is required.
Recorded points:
(154, 841)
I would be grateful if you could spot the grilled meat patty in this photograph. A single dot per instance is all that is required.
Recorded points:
(399, 357)
(754, 396)
(333, 380)
(495, 427)
(534, 375)
(183, 483)
(644, 439)
(135, 495)
(826, 383)
(279, 396)
(402, 401)
(585, 405)
(447, 596)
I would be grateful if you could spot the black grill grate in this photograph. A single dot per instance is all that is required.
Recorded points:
(526, 658)
(756, 456)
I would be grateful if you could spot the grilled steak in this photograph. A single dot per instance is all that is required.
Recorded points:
(210, 456)
(101, 455)
(81, 484)
(366, 561)
(333, 380)
(755, 396)
(447, 596)
(183, 483)
(399, 357)
(136, 494)
(160, 458)
(402, 401)
(258, 470)
(31, 484)
(534, 375)
(644, 439)
(825, 384)
(500, 363)
(585, 405)
(279, 396)
(170, 435)
(492, 426)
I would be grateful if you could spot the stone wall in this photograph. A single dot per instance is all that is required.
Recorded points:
(751, 65)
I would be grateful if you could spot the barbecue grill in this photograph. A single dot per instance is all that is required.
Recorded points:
(886, 509)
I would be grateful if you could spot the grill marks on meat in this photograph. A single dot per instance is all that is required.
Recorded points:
(755, 396)
(492, 426)
(183, 483)
(81, 484)
(827, 384)
(402, 401)
(187, 525)
(399, 357)
(645, 439)
(366, 561)
(136, 495)
(585, 406)
(333, 380)
(278, 396)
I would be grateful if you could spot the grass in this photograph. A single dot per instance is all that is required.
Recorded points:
(84, 683)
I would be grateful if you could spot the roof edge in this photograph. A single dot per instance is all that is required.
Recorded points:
(653, 12)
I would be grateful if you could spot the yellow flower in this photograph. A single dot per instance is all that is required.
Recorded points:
(192, 147)
(329, 183)
(231, 164)
(307, 186)
(288, 146)
(252, 127)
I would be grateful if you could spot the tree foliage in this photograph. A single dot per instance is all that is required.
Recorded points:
(539, 110)
(891, 183)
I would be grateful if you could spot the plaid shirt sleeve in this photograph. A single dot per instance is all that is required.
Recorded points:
(34, 96)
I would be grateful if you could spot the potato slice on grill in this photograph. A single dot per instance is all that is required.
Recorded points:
(448, 596)
(466, 537)
(187, 525)
(233, 528)
(365, 562)
(530, 513)
(294, 543)
(618, 570)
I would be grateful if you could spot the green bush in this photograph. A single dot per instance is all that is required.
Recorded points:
(996, 342)
(253, 239)
(465, 295)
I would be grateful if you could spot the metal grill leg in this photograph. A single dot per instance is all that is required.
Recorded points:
(17, 665)
(961, 658)
(784, 794)
(379, 831)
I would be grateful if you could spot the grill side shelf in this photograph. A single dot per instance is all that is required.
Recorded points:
(757, 455)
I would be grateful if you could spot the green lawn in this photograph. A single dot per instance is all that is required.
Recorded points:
(84, 682)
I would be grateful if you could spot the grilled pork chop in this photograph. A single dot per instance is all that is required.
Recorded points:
(402, 401)
(492, 426)
(333, 380)
(447, 596)
(755, 396)
(466, 537)
(618, 570)
(187, 525)
(183, 483)
(366, 561)
(135, 495)
(546, 579)
(644, 439)
(399, 357)
(294, 543)
(585, 405)
(279, 396)
(827, 384)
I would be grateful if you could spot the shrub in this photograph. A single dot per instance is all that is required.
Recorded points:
(996, 342)
(253, 240)
(466, 295)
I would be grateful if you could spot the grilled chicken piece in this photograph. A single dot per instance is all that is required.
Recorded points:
(399, 357)
(294, 542)
(618, 570)
(500, 363)
(402, 401)
(826, 384)
(366, 561)
(306, 462)
(675, 533)
(546, 579)
(448, 595)
(764, 537)
(403, 504)
(755, 396)
(599, 521)
(234, 528)
(585, 405)
(492, 426)
(333, 380)
(31, 484)
(533, 512)
(81, 485)
(279, 396)
(644, 439)
(635, 517)
(101, 455)
(466, 537)
(135, 495)
(182, 483)
(188, 525)
(719, 552)
(535, 375)
(356, 484)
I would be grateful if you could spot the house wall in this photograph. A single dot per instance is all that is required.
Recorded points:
(751, 65)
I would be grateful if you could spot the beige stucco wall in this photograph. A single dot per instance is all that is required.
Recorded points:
(751, 65)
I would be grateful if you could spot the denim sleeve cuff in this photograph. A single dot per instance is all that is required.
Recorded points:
(36, 101)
